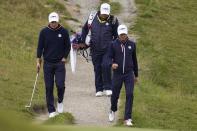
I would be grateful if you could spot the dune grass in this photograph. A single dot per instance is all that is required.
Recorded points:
(166, 94)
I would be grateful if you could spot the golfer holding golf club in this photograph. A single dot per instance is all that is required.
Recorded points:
(54, 46)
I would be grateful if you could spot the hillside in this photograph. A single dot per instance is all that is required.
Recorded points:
(20, 24)
(167, 49)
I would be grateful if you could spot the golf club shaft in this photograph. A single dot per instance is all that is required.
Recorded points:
(33, 89)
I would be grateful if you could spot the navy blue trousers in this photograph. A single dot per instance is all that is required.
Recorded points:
(117, 83)
(54, 72)
(102, 71)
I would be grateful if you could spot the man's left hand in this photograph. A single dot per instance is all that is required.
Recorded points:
(64, 60)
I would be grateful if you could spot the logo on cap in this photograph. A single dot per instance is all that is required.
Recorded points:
(53, 16)
(106, 8)
(122, 28)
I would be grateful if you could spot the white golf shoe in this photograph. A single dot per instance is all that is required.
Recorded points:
(60, 107)
(53, 114)
(111, 116)
(108, 92)
(99, 94)
(128, 122)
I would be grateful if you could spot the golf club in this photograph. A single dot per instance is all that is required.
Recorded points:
(28, 106)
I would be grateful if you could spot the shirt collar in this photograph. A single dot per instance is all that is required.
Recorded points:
(58, 27)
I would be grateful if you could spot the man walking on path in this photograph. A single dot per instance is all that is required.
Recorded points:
(125, 69)
(54, 45)
(103, 30)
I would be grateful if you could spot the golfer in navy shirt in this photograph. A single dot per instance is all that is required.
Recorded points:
(122, 54)
(54, 46)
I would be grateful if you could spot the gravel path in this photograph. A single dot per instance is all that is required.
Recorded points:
(80, 97)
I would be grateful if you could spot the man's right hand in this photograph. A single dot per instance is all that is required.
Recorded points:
(38, 66)
(82, 45)
(75, 46)
(78, 46)
(114, 66)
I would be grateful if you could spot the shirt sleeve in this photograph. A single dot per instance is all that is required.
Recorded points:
(111, 53)
(115, 27)
(40, 44)
(135, 63)
(67, 45)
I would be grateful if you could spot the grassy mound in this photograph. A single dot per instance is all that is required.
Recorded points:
(167, 50)
(61, 119)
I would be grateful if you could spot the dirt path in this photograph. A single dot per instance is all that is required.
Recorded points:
(80, 97)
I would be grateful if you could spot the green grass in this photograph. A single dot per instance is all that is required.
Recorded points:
(61, 119)
(81, 128)
(20, 24)
(115, 7)
(18, 124)
(166, 94)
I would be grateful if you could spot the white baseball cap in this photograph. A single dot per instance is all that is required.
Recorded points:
(53, 17)
(105, 9)
(122, 29)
